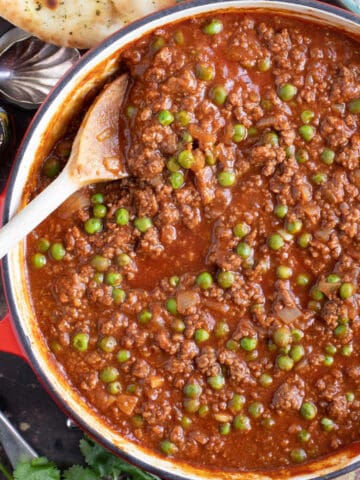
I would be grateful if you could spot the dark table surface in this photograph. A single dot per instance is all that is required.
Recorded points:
(22, 398)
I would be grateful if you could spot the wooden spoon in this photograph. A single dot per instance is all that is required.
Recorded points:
(95, 157)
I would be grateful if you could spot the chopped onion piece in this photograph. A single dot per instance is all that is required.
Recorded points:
(289, 314)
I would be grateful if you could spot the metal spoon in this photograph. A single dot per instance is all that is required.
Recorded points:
(15, 447)
(95, 157)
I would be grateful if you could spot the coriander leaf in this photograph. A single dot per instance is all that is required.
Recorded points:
(80, 473)
(36, 469)
(108, 465)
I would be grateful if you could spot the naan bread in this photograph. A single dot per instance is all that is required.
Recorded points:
(76, 23)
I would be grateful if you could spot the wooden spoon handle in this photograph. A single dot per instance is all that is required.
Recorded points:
(36, 211)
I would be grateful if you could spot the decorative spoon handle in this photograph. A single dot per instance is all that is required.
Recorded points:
(36, 211)
(14, 445)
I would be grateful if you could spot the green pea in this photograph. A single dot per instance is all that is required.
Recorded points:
(204, 72)
(108, 344)
(319, 178)
(347, 350)
(297, 352)
(176, 180)
(179, 37)
(290, 151)
(172, 165)
(330, 349)
(333, 278)
(113, 279)
(354, 105)
(186, 159)
(109, 374)
(171, 306)
(307, 116)
(264, 64)
(298, 455)
(297, 334)
(123, 259)
(130, 111)
(97, 198)
(232, 345)
(191, 405)
(272, 347)
(201, 335)
(165, 117)
(57, 251)
(282, 336)
(270, 138)
(183, 118)
(131, 388)
(283, 272)
(266, 104)
(350, 396)
(294, 227)
(186, 421)
(168, 448)
(327, 424)
(328, 360)
(138, 420)
(265, 380)
(244, 250)
(248, 343)
(100, 263)
(143, 224)
(99, 210)
(118, 295)
(186, 137)
(239, 133)
(285, 363)
(307, 132)
(237, 402)
(210, 158)
(281, 211)
(93, 225)
(38, 260)
(226, 279)
(268, 422)
(178, 325)
(192, 390)
(341, 331)
(302, 156)
(275, 241)
(252, 131)
(242, 423)
(287, 92)
(98, 277)
(203, 411)
(346, 290)
(226, 178)
(221, 330)
(122, 216)
(42, 245)
(216, 382)
(174, 281)
(214, 27)
(256, 409)
(114, 388)
(241, 230)
(51, 167)
(204, 280)
(225, 428)
(302, 280)
(304, 240)
(218, 95)
(304, 436)
(308, 410)
(123, 356)
(144, 316)
(317, 294)
(80, 342)
(157, 44)
(327, 156)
